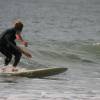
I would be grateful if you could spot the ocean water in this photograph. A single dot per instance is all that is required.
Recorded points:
(61, 33)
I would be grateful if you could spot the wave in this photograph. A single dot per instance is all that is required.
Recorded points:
(53, 52)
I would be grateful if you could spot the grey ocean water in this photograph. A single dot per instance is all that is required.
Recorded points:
(60, 33)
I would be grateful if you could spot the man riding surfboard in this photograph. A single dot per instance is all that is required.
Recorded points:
(8, 46)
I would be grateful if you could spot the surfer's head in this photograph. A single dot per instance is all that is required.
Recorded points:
(18, 26)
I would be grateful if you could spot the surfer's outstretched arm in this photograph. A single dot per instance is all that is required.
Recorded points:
(19, 38)
(26, 53)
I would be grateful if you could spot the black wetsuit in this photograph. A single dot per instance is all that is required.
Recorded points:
(8, 46)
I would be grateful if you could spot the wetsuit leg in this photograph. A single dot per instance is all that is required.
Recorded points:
(8, 52)
(17, 55)
(8, 55)
(7, 60)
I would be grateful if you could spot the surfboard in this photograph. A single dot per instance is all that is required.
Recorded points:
(35, 73)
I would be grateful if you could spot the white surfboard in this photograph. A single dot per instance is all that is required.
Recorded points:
(35, 73)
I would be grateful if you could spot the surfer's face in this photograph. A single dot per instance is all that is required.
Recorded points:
(19, 30)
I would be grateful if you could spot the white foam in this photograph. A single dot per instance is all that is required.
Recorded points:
(96, 44)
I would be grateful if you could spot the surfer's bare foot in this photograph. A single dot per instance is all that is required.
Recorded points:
(14, 69)
(3, 69)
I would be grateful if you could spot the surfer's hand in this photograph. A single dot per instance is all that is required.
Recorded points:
(25, 43)
(29, 55)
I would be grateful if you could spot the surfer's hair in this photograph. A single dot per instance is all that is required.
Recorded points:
(18, 26)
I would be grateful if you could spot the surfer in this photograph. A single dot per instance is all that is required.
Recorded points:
(8, 46)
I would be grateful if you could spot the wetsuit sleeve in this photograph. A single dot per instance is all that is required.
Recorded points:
(9, 42)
